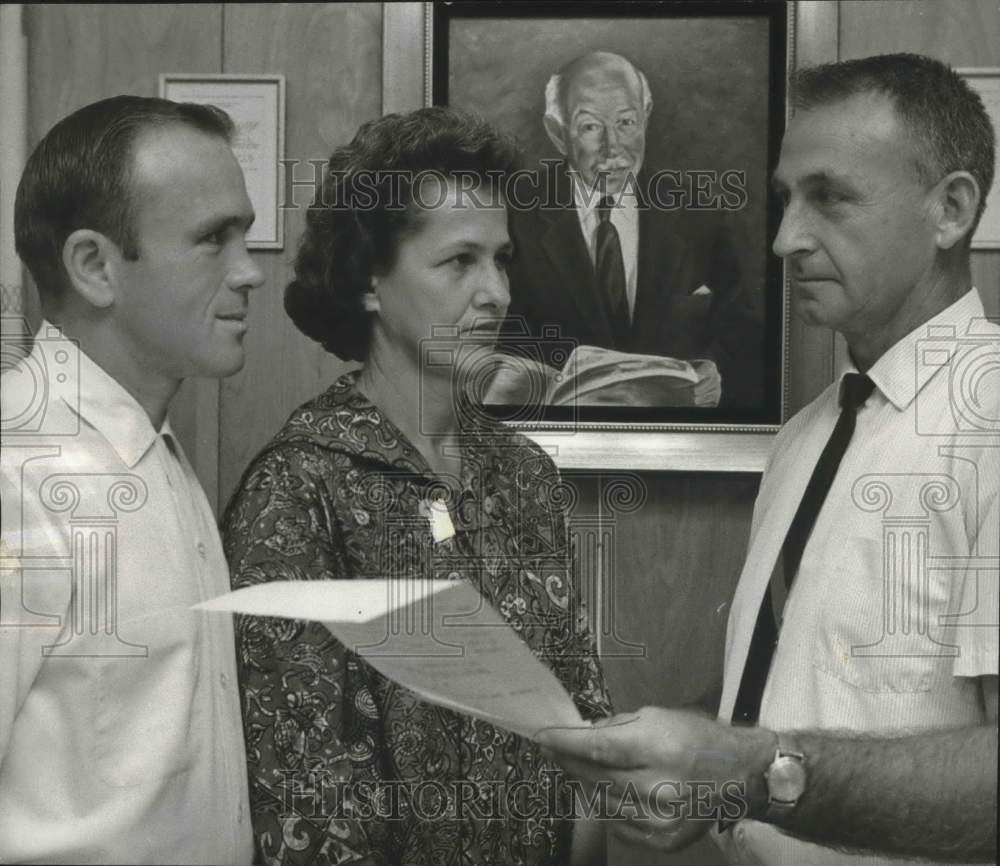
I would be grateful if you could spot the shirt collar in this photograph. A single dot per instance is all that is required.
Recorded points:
(903, 370)
(106, 406)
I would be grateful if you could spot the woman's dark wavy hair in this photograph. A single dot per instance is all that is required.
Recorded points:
(363, 207)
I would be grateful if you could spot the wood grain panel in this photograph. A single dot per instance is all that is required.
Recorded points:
(960, 32)
(330, 55)
(677, 561)
(79, 53)
(810, 349)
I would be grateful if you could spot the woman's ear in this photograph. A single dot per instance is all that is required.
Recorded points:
(92, 262)
(957, 200)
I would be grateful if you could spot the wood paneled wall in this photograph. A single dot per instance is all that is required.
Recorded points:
(677, 557)
(330, 55)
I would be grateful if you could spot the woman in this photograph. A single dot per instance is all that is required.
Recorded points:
(402, 263)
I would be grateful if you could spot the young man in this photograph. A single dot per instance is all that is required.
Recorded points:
(120, 731)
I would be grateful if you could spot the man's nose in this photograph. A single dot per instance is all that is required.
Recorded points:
(612, 140)
(795, 233)
(245, 274)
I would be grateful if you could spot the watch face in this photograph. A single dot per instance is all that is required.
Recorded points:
(786, 779)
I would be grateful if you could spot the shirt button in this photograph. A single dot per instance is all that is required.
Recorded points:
(239, 814)
(201, 549)
(224, 680)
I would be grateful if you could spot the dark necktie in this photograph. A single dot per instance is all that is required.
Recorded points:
(610, 267)
(855, 390)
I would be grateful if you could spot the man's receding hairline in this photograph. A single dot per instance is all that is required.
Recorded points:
(137, 183)
(922, 161)
(148, 135)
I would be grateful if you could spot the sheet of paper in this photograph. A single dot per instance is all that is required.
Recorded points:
(438, 638)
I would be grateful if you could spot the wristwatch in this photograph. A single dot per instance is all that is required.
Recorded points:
(785, 777)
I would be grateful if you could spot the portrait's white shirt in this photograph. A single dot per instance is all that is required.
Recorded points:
(894, 611)
(103, 759)
(624, 217)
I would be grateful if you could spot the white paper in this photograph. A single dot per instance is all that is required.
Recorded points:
(438, 638)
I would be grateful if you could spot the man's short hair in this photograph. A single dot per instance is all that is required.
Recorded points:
(555, 91)
(81, 176)
(944, 116)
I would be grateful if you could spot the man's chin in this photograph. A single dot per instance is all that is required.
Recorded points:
(222, 367)
(816, 315)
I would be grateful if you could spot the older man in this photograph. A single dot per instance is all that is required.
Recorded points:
(120, 731)
(876, 708)
(616, 265)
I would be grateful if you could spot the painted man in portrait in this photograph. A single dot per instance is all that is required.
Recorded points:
(622, 256)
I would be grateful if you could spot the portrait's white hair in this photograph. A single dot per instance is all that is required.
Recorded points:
(553, 93)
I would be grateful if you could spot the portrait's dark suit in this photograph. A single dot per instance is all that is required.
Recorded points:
(553, 283)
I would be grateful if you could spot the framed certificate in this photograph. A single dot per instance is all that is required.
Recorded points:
(256, 103)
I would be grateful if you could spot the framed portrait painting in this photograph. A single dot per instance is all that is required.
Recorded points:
(644, 295)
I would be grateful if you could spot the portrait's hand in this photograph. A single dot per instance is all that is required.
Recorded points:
(708, 388)
(666, 773)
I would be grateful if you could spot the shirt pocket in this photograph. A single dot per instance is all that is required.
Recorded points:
(146, 709)
(879, 626)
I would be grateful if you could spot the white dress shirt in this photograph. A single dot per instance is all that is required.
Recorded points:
(625, 218)
(894, 611)
(120, 732)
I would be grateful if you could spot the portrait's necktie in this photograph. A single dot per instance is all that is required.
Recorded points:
(610, 266)
(855, 390)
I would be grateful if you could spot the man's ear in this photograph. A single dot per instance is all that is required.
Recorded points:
(956, 201)
(92, 262)
(557, 133)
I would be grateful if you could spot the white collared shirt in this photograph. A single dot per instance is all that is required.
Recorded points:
(625, 218)
(894, 611)
(120, 732)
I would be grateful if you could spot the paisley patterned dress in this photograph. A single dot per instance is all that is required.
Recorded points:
(346, 766)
